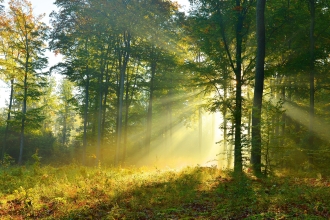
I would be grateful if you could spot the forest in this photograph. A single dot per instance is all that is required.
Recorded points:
(219, 111)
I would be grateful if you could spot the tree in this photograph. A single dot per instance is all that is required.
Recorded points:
(72, 37)
(10, 55)
(226, 29)
(65, 113)
(28, 36)
(311, 69)
(258, 88)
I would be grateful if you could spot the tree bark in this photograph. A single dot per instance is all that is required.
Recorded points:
(126, 118)
(224, 115)
(258, 89)
(85, 116)
(8, 119)
(200, 131)
(64, 130)
(23, 119)
(124, 55)
(26, 71)
(99, 118)
(312, 70)
(105, 98)
(238, 163)
(149, 113)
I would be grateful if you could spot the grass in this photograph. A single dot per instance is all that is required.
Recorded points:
(77, 192)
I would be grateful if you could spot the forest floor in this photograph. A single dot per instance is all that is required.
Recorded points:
(76, 192)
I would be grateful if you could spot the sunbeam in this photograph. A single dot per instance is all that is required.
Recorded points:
(320, 127)
(176, 144)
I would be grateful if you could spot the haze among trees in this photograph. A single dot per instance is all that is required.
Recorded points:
(143, 83)
(218, 112)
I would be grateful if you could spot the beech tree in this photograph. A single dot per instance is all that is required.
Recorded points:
(10, 54)
(258, 88)
(28, 35)
(228, 27)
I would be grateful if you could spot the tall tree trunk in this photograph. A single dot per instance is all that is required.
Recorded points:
(149, 113)
(238, 163)
(312, 70)
(284, 117)
(100, 110)
(23, 117)
(104, 104)
(231, 145)
(26, 71)
(87, 81)
(170, 118)
(258, 89)
(128, 101)
(66, 111)
(224, 116)
(213, 130)
(8, 119)
(249, 120)
(86, 116)
(99, 117)
(170, 115)
(126, 118)
(200, 131)
(237, 69)
(106, 93)
(124, 55)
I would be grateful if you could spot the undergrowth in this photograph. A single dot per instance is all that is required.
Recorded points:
(77, 192)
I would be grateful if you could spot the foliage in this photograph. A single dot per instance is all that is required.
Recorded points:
(23, 46)
(76, 192)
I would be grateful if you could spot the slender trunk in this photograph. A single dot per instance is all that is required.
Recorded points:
(120, 114)
(249, 120)
(24, 101)
(8, 118)
(126, 117)
(213, 129)
(200, 131)
(117, 107)
(128, 102)
(100, 110)
(64, 125)
(283, 116)
(149, 113)
(170, 119)
(170, 114)
(258, 89)
(99, 121)
(225, 141)
(231, 145)
(23, 121)
(238, 163)
(85, 116)
(312, 71)
(106, 92)
(224, 116)
(125, 56)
